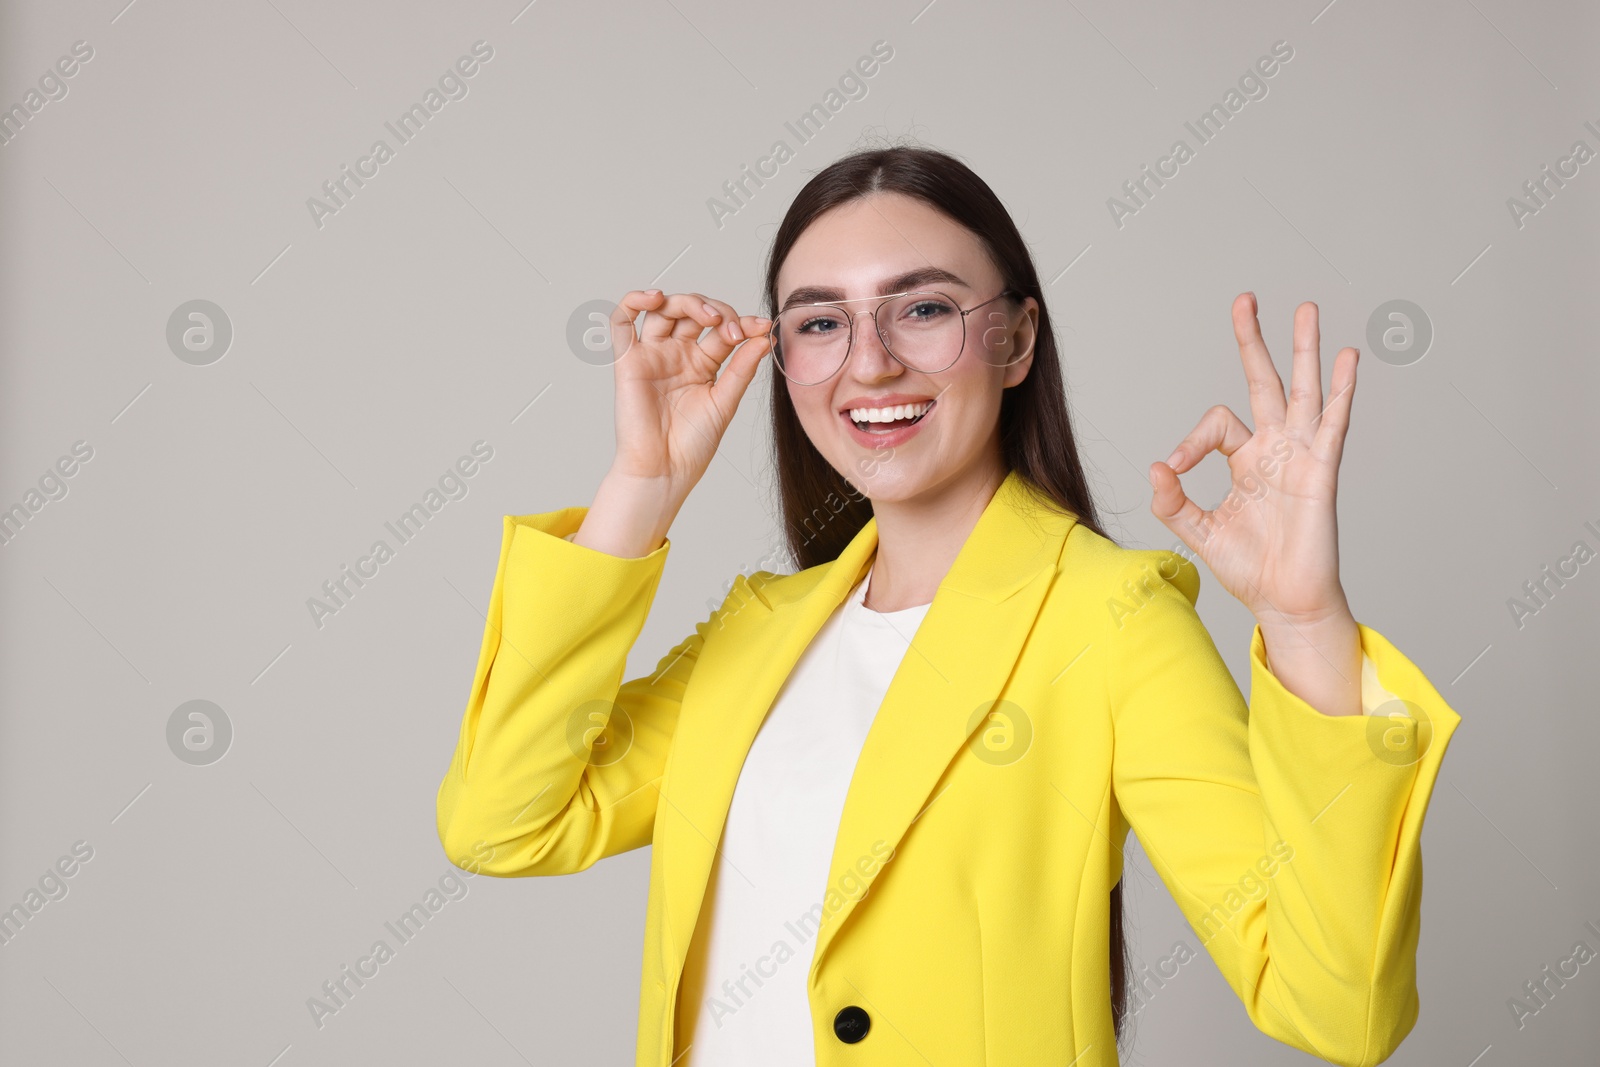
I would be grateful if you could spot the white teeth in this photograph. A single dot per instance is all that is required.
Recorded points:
(903, 411)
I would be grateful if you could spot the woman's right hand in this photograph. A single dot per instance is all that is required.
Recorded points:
(672, 405)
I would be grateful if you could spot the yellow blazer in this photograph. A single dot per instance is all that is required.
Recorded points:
(1060, 691)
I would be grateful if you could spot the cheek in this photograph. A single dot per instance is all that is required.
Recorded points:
(974, 406)
(814, 409)
(990, 336)
(973, 390)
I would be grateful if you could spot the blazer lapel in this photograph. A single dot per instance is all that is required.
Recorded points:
(958, 662)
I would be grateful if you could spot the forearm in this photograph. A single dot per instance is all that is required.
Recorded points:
(1319, 662)
(560, 624)
(629, 517)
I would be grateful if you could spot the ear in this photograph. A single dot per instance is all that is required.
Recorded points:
(1025, 338)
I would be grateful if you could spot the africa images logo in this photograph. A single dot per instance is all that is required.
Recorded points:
(452, 85)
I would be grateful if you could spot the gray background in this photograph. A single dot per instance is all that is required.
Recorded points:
(433, 311)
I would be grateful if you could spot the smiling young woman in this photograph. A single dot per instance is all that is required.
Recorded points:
(888, 793)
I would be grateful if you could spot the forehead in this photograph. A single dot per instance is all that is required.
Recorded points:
(853, 248)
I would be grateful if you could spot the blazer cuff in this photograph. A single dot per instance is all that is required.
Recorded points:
(547, 580)
(1389, 755)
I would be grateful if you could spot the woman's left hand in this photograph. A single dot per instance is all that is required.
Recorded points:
(1273, 540)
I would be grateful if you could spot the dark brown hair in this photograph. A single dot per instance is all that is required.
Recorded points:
(822, 511)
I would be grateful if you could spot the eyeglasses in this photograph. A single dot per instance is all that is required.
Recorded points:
(925, 331)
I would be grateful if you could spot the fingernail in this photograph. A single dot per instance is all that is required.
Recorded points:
(710, 310)
(652, 292)
(1172, 460)
(733, 330)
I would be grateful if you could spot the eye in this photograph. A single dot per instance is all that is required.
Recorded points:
(928, 309)
(821, 322)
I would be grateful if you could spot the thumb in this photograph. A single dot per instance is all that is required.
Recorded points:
(738, 373)
(1172, 506)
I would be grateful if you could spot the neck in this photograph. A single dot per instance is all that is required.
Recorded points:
(919, 538)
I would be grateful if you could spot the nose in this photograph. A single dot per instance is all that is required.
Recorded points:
(868, 353)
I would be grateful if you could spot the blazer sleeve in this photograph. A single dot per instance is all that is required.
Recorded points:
(1290, 839)
(558, 758)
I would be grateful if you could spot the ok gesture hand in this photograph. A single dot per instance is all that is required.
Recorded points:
(1273, 542)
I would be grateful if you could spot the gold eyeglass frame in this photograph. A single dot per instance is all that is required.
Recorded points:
(851, 318)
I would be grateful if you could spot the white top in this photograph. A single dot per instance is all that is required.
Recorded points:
(743, 994)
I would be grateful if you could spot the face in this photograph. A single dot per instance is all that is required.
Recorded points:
(891, 243)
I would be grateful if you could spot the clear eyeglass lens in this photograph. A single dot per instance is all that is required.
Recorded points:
(924, 330)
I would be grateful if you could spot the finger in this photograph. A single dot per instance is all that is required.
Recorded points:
(1266, 388)
(701, 314)
(754, 326)
(757, 328)
(730, 386)
(1305, 381)
(1219, 428)
(1329, 440)
(1186, 519)
(663, 321)
(727, 333)
(622, 316)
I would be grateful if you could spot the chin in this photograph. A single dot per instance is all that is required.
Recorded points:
(889, 480)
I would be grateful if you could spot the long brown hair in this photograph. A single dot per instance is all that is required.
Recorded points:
(822, 511)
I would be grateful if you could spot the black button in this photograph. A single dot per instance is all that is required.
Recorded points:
(851, 1024)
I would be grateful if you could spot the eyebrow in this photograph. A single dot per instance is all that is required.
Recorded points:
(901, 283)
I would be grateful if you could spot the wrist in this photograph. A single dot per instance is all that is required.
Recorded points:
(630, 515)
(1285, 633)
(1333, 616)
(1318, 660)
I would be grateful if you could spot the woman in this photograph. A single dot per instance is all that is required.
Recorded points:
(888, 793)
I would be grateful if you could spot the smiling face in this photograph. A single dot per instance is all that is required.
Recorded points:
(892, 243)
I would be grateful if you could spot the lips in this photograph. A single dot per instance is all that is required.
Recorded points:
(889, 400)
(880, 439)
(881, 428)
